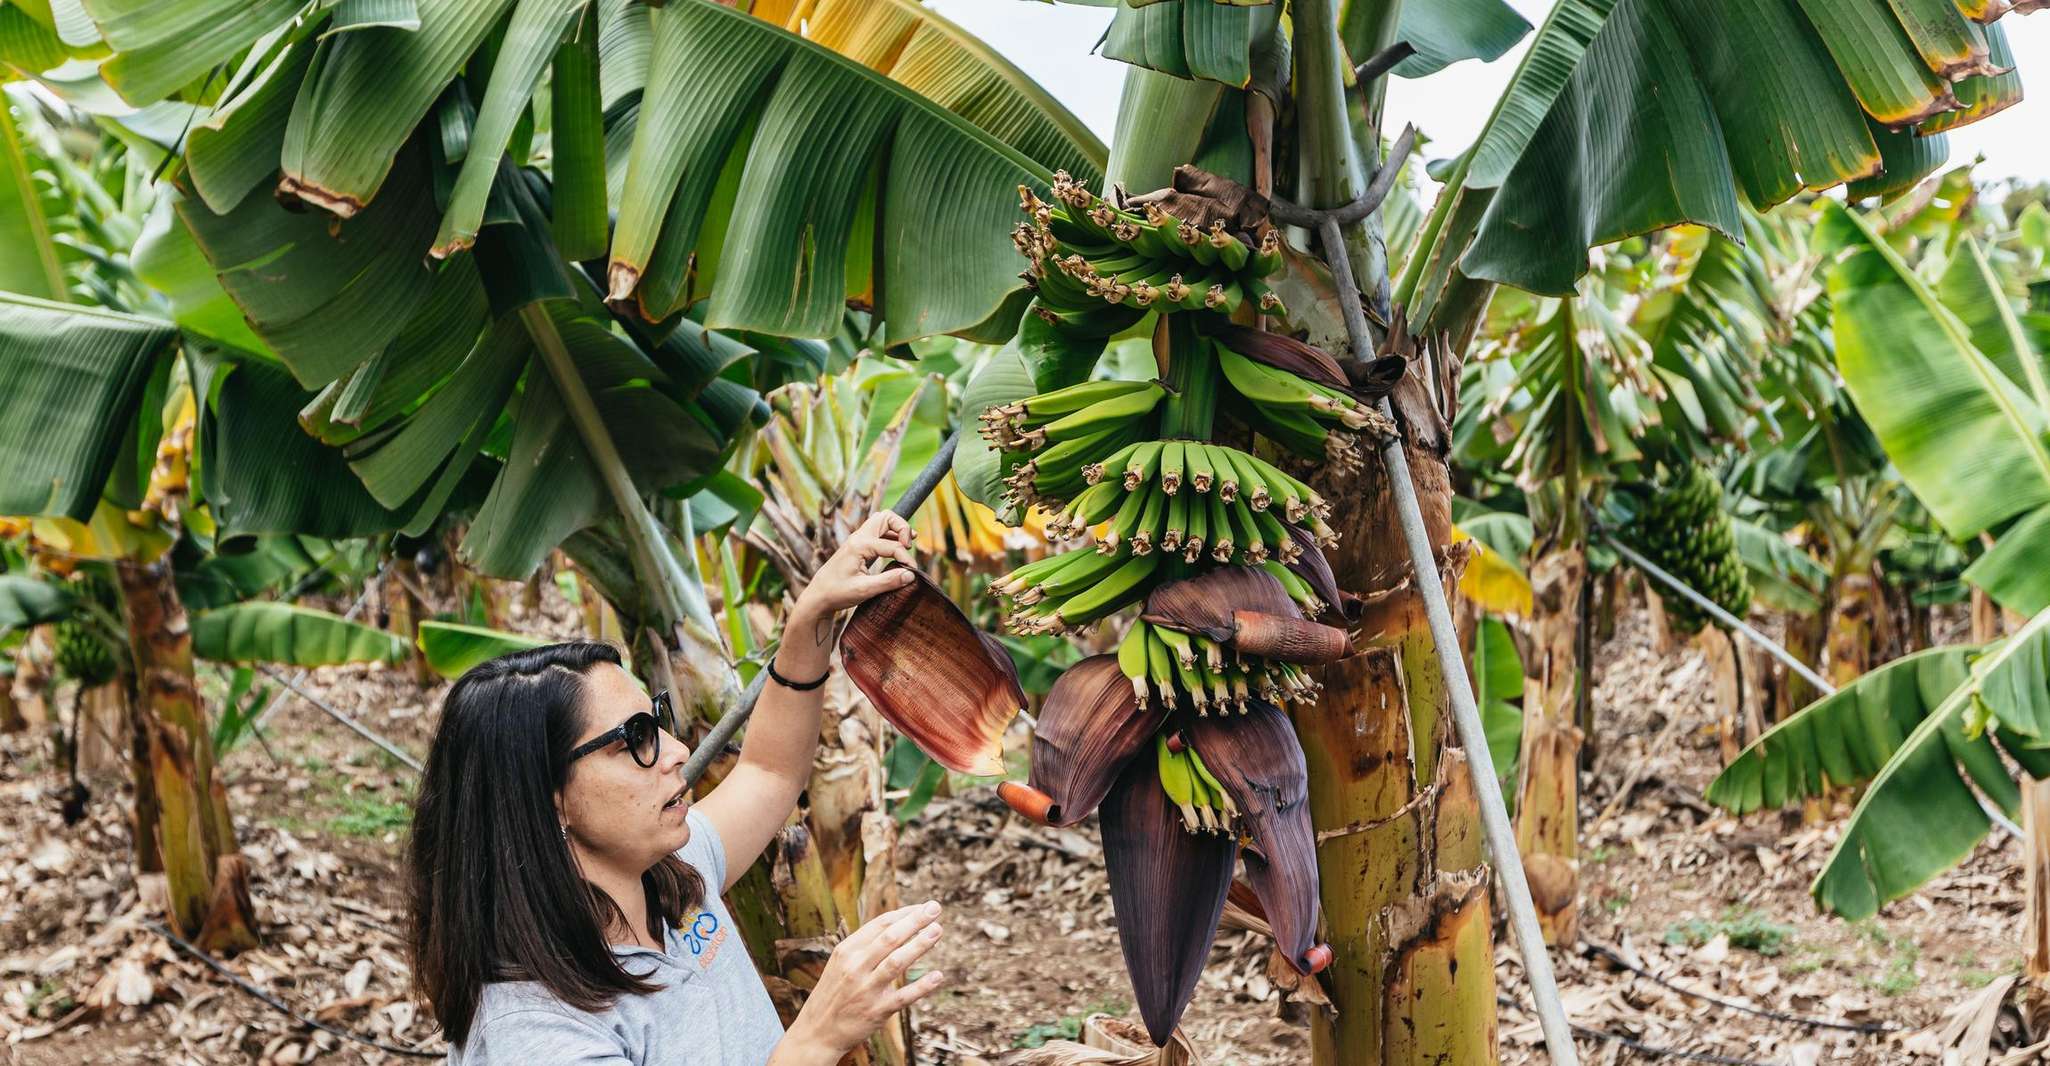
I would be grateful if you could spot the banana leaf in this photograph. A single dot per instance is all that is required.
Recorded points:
(751, 138)
(1198, 39)
(76, 381)
(1498, 677)
(1632, 115)
(270, 632)
(1966, 427)
(1443, 33)
(29, 264)
(1916, 729)
(1784, 577)
(26, 601)
(452, 649)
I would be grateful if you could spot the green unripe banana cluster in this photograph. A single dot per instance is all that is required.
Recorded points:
(1091, 259)
(80, 651)
(1684, 529)
(1205, 805)
(1159, 662)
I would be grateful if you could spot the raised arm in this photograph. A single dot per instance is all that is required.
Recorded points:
(754, 801)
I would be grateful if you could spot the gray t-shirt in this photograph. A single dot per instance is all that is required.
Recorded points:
(710, 1011)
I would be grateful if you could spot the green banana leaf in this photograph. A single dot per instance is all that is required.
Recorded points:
(1909, 728)
(29, 262)
(1444, 33)
(452, 649)
(1784, 577)
(271, 632)
(76, 381)
(1498, 675)
(1198, 39)
(26, 601)
(752, 138)
(1966, 427)
(1627, 116)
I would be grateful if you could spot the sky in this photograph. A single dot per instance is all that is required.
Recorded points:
(1051, 43)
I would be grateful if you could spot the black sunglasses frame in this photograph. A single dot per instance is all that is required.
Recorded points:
(650, 724)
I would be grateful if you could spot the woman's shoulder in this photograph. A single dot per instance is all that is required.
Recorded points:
(522, 1017)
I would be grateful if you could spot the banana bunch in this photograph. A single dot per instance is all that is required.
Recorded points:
(1048, 439)
(1066, 591)
(1684, 529)
(1089, 255)
(1160, 662)
(1313, 419)
(81, 652)
(1205, 805)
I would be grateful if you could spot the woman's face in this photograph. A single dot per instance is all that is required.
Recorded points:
(618, 811)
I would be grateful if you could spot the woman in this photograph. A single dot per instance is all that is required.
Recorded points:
(565, 889)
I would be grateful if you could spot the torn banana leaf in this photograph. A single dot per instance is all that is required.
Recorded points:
(1167, 888)
(1245, 608)
(934, 676)
(1258, 760)
(1089, 728)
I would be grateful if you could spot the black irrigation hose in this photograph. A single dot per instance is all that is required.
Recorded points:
(277, 1004)
(1869, 1028)
(1648, 1050)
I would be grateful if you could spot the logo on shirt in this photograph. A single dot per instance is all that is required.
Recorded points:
(703, 934)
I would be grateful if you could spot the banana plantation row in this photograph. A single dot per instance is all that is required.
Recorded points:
(665, 300)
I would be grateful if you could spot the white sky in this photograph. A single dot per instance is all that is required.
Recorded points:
(1051, 42)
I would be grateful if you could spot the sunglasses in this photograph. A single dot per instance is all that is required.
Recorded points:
(641, 733)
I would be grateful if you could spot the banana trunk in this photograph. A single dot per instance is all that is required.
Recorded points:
(1413, 977)
(1548, 789)
(207, 877)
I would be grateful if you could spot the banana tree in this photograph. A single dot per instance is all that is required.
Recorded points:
(1929, 356)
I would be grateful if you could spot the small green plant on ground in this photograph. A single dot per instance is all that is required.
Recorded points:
(1746, 928)
(1617, 902)
(1899, 953)
(367, 814)
(1067, 1026)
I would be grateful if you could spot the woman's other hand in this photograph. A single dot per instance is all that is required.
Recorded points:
(844, 580)
(859, 988)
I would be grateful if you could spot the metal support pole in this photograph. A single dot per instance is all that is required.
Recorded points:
(723, 731)
(1466, 715)
(1726, 618)
(355, 726)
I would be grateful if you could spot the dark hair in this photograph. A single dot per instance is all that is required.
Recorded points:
(493, 891)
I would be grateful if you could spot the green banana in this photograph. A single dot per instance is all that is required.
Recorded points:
(1266, 259)
(1094, 472)
(1221, 539)
(1197, 532)
(1132, 661)
(1251, 484)
(1172, 454)
(1126, 521)
(1159, 664)
(1118, 410)
(1140, 464)
(1178, 780)
(1115, 590)
(1179, 643)
(1081, 575)
(1253, 546)
(1225, 470)
(1177, 523)
(1275, 535)
(1202, 474)
(1231, 251)
(1150, 519)
(1096, 503)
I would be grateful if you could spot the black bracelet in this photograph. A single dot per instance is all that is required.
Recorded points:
(798, 686)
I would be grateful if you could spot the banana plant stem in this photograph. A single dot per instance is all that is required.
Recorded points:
(729, 724)
(658, 567)
(1466, 715)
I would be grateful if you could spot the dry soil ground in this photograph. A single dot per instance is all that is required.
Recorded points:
(1712, 903)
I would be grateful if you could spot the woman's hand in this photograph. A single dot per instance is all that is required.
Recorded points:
(844, 581)
(858, 990)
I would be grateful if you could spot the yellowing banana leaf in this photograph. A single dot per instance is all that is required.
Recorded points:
(1492, 581)
(109, 535)
(271, 632)
(29, 263)
(76, 378)
(794, 135)
(1916, 728)
(1966, 428)
(917, 48)
(452, 649)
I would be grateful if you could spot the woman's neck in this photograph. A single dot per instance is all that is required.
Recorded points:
(626, 892)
